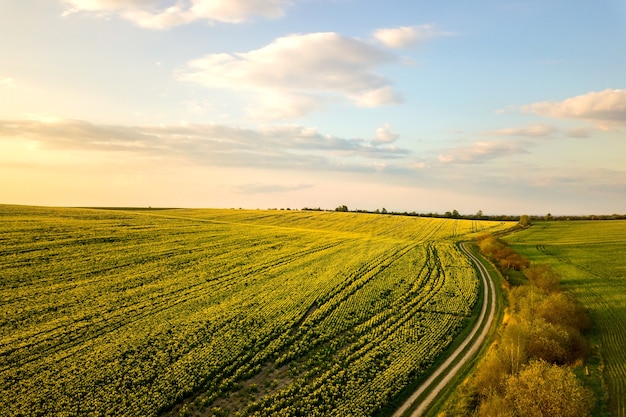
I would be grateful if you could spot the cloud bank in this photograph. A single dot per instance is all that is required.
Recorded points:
(532, 131)
(299, 73)
(274, 147)
(606, 109)
(243, 162)
(481, 151)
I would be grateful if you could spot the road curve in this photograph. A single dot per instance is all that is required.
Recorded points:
(435, 383)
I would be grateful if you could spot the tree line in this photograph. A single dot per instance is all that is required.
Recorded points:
(479, 215)
(528, 370)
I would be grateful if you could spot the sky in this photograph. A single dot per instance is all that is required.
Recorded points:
(508, 107)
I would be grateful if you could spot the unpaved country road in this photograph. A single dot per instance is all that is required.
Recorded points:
(427, 392)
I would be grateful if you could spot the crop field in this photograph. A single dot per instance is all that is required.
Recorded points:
(224, 312)
(591, 257)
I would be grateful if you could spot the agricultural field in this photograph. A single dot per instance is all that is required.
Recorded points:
(224, 312)
(591, 257)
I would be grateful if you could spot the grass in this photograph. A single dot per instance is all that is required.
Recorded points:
(591, 257)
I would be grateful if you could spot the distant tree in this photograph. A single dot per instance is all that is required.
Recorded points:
(455, 214)
(512, 260)
(447, 214)
(503, 255)
(524, 220)
(384, 211)
(342, 208)
(479, 214)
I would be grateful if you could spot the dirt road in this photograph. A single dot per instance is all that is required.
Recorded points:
(427, 392)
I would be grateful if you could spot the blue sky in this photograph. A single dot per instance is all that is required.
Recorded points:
(501, 106)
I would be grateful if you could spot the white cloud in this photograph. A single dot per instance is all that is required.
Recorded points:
(532, 131)
(377, 97)
(162, 14)
(481, 151)
(109, 5)
(406, 36)
(235, 11)
(274, 105)
(605, 109)
(163, 19)
(298, 73)
(384, 135)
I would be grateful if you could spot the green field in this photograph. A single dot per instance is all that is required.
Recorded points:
(591, 257)
(208, 312)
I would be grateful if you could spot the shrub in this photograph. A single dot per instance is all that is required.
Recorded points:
(542, 389)
(544, 277)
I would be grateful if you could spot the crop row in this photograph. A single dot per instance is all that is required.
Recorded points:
(370, 361)
(130, 313)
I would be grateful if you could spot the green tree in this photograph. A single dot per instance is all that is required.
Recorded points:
(342, 208)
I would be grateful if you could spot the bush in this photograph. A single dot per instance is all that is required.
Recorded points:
(563, 310)
(520, 375)
(544, 277)
(542, 389)
(495, 406)
(548, 342)
(489, 377)
(499, 252)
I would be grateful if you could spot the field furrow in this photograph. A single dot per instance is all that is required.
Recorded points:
(112, 312)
